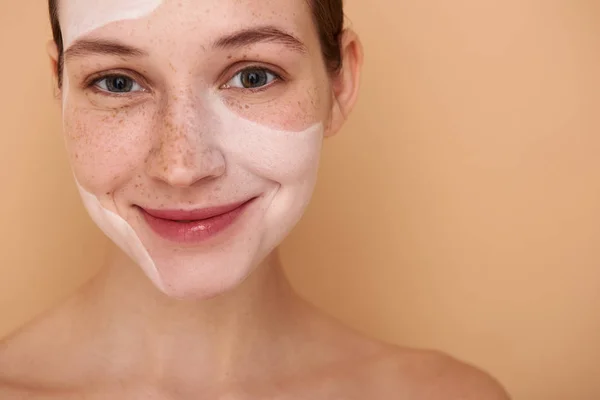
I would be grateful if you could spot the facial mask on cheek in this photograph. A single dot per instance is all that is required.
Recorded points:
(121, 233)
(79, 17)
(288, 158)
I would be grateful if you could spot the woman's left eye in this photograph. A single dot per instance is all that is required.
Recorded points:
(251, 78)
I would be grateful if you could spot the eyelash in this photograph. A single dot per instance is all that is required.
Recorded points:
(93, 83)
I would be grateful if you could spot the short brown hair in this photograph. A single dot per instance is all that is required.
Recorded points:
(327, 14)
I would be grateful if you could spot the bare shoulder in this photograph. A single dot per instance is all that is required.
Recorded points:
(432, 375)
(37, 354)
(371, 369)
(18, 360)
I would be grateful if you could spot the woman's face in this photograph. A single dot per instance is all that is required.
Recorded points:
(194, 129)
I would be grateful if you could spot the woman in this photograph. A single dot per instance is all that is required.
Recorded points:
(194, 130)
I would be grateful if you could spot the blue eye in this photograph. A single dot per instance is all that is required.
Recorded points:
(118, 84)
(252, 78)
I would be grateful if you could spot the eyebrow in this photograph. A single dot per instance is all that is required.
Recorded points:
(263, 34)
(243, 38)
(84, 47)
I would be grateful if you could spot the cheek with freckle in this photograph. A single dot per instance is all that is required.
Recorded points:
(105, 147)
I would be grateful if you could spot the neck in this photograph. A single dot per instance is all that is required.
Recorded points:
(143, 330)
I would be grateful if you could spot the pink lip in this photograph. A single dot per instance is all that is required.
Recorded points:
(193, 226)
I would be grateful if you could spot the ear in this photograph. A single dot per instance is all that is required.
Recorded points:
(52, 51)
(346, 82)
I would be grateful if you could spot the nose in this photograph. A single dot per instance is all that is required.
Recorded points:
(182, 154)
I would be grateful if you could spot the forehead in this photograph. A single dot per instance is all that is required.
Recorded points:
(167, 18)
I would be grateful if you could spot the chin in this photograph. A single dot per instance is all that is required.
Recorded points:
(181, 287)
(200, 278)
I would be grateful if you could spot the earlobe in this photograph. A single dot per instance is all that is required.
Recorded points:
(346, 82)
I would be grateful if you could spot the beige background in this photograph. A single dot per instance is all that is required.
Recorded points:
(459, 209)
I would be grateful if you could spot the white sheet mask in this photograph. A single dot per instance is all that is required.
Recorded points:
(289, 158)
(84, 16)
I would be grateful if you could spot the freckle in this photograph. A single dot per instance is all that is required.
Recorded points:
(108, 193)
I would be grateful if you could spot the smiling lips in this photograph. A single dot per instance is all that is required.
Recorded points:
(192, 227)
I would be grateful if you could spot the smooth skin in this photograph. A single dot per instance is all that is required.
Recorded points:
(119, 337)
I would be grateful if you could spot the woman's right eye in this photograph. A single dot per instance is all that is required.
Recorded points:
(117, 84)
